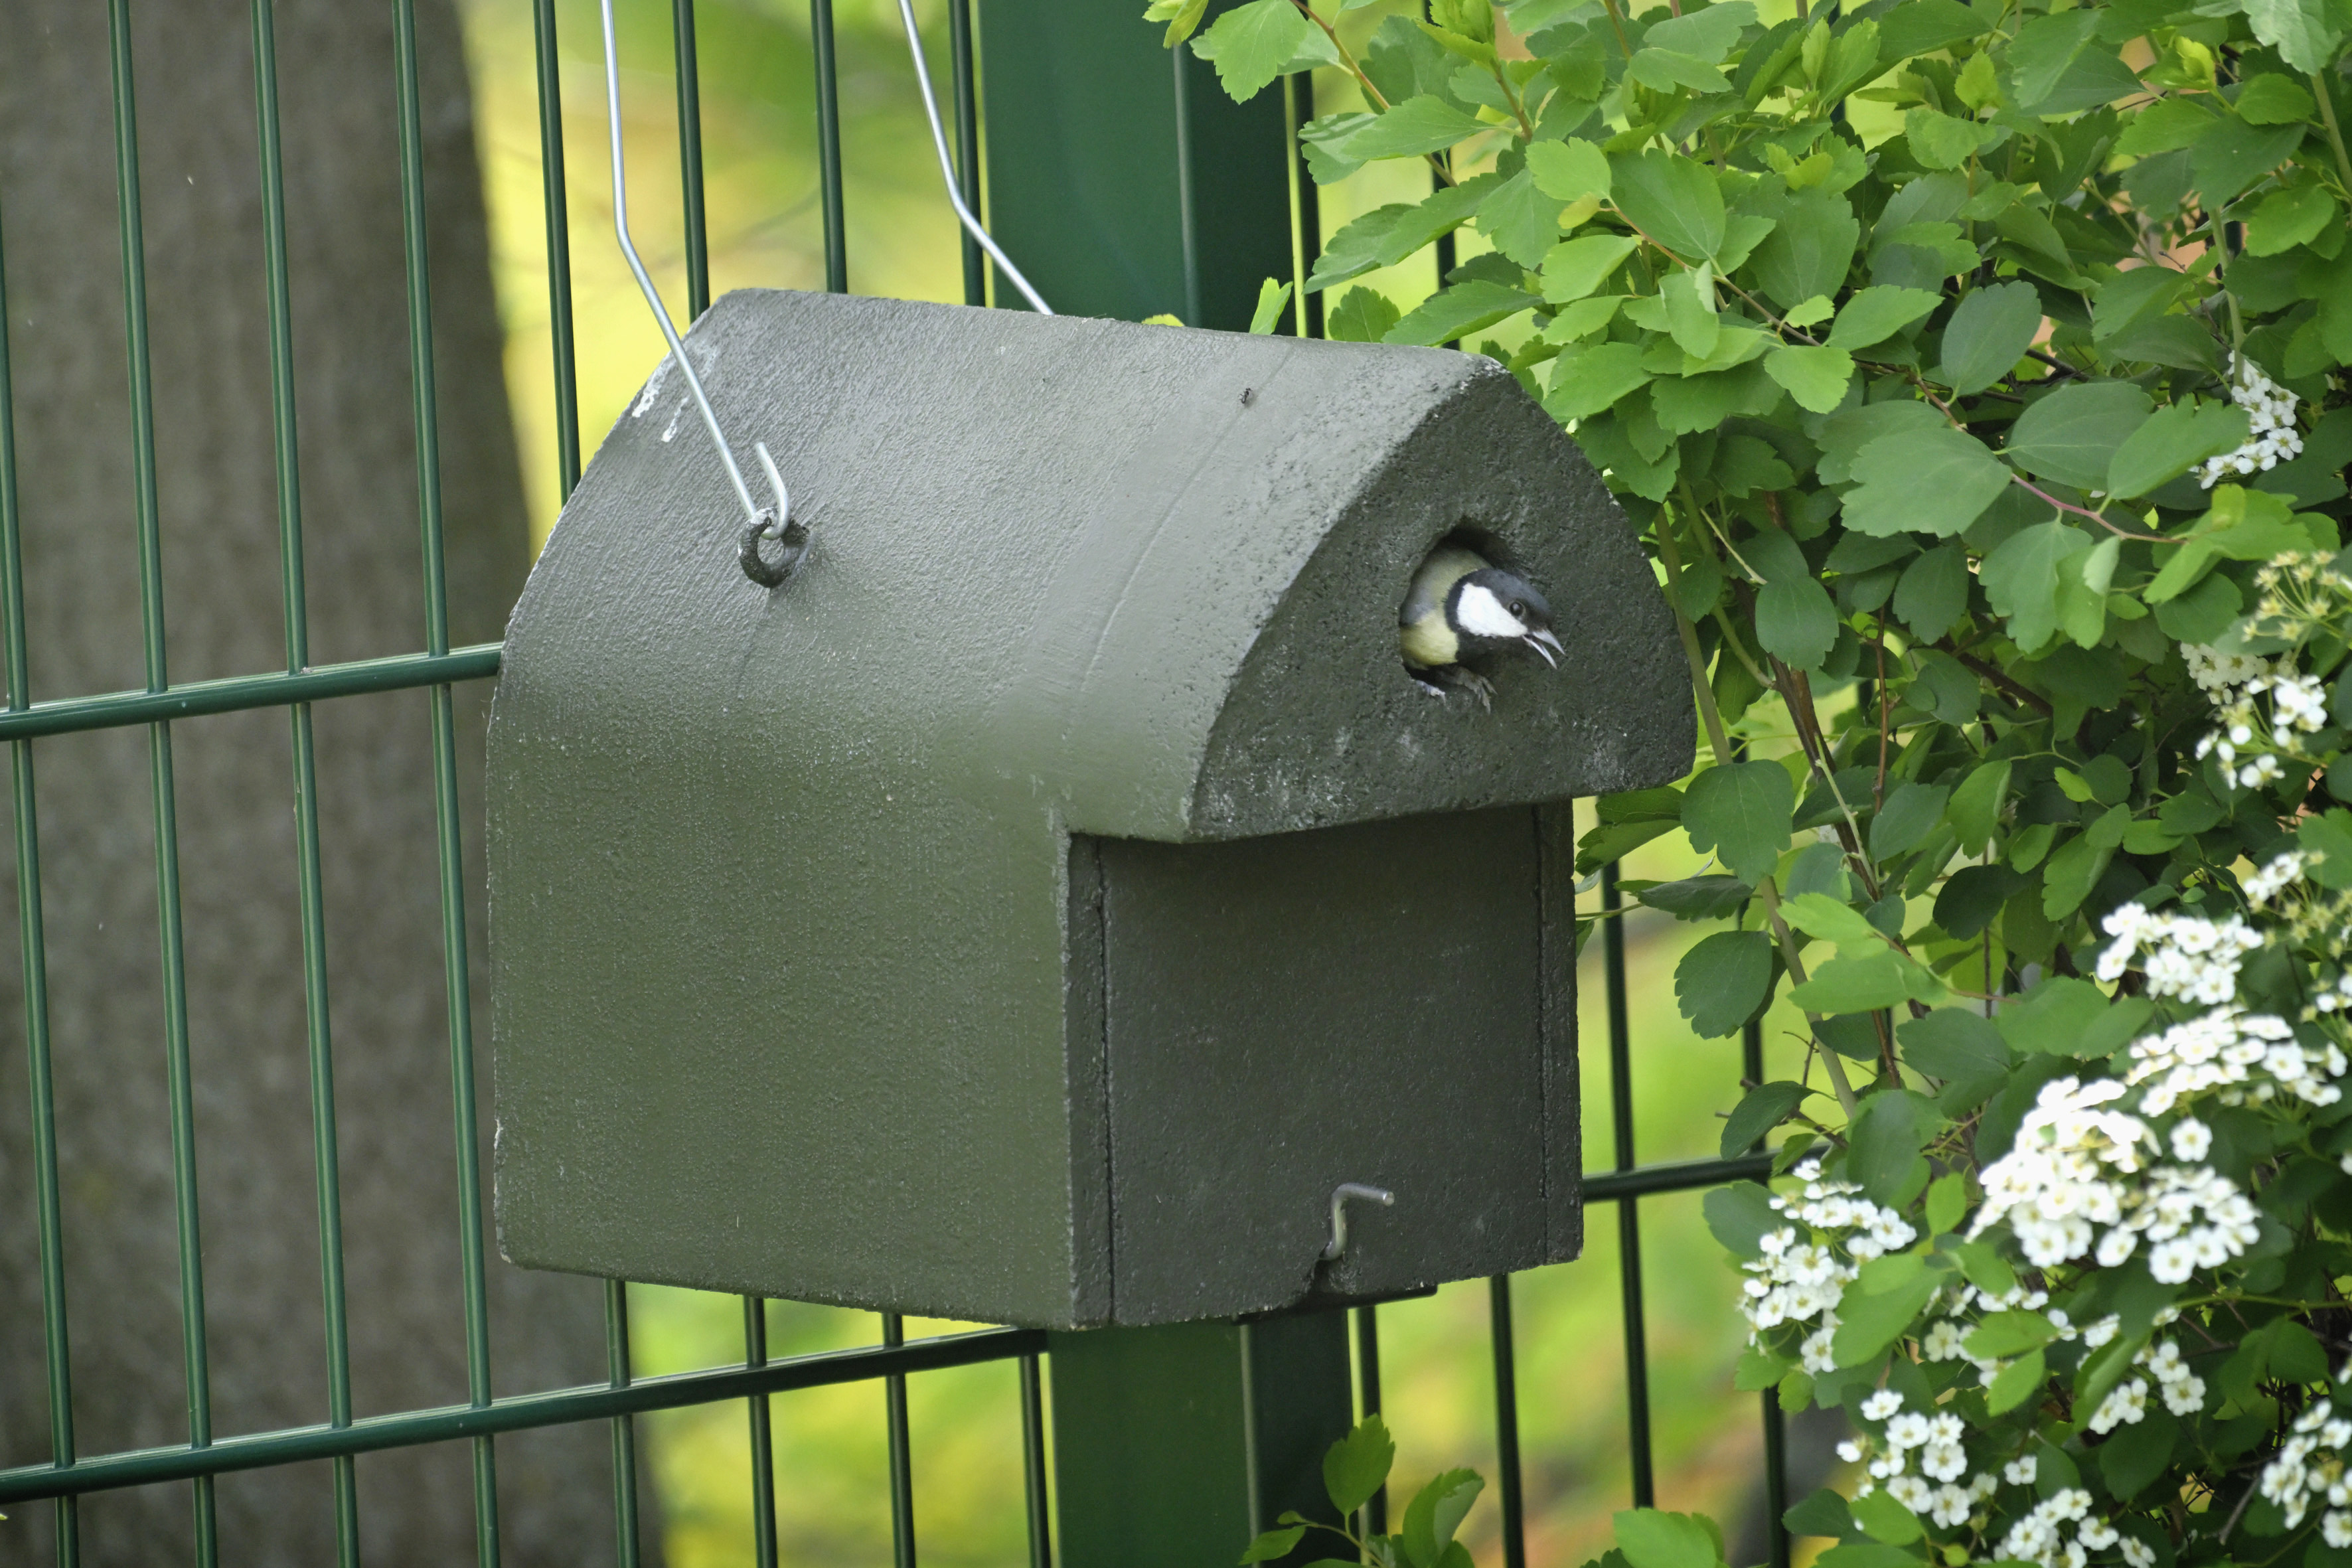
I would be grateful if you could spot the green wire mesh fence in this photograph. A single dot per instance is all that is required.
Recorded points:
(71, 1474)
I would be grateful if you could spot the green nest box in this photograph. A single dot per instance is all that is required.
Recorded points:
(1033, 909)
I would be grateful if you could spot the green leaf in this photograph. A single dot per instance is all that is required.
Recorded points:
(1588, 380)
(1867, 1554)
(1706, 35)
(2176, 439)
(1254, 43)
(1990, 333)
(1569, 170)
(1972, 896)
(1820, 915)
(2167, 125)
(1883, 1142)
(2271, 99)
(1741, 811)
(2003, 1336)
(2234, 154)
(1356, 1466)
(1723, 980)
(1672, 199)
(1870, 1323)
(1691, 319)
(1739, 1215)
(1698, 897)
(1436, 1513)
(1467, 307)
(1364, 316)
(2073, 434)
(1271, 297)
(1911, 811)
(1357, 246)
(1948, 1201)
(1521, 220)
(2287, 218)
(2303, 31)
(1941, 140)
(1795, 621)
(1761, 1109)
(1933, 592)
(1884, 1519)
(1806, 256)
(1274, 1545)
(1975, 808)
(2043, 49)
(2071, 872)
(1816, 377)
(1575, 267)
(2328, 836)
(1923, 27)
(1663, 70)
(1877, 314)
(1852, 60)
(1652, 1539)
(1866, 983)
(1421, 124)
(1438, 212)
(2020, 578)
(2014, 1383)
(1958, 1045)
(2136, 1454)
(1935, 481)
(2051, 1017)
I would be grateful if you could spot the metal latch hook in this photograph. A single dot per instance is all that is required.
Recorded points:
(1340, 1196)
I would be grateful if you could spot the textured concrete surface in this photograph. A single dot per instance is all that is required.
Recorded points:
(794, 989)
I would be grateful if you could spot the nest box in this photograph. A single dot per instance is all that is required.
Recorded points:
(1034, 909)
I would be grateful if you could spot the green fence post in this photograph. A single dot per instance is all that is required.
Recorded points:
(1121, 177)
(1172, 1447)
(1125, 183)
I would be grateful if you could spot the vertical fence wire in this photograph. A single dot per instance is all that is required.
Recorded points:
(967, 124)
(828, 147)
(1629, 1224)
(902, 1467)
(1298, 103)
(1033, 1463)
(625, 1431)
(557, 204)
(448, 845)
(1506, 1422)
(163, 792)
(689, 158)
(1368, 1395)
(33, 953)
(763, 1452)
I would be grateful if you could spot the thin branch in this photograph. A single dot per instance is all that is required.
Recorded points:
(2030, 697)
(2335, 132)
(2098, 517)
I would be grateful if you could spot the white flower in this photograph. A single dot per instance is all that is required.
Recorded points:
(1949, 1507)
(1850, 1451)
(2264, 885)
(2070, 1504)
(1908, 1430)
(2272, 438)
(2191, 1139)
(1944, 1461)
(2097, 1534)
(2137, 1552)
(2124, 1406)
(2018, 1472)
(2100, 1333)
(1881, 1405)
(2336, 1528)
(1911, 1492)
(1943, 1341)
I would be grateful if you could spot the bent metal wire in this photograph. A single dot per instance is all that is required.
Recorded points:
(339, 1437)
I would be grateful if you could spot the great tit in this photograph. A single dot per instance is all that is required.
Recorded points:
(1462, 607)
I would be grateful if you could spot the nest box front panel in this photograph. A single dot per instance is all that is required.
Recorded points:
(1355, 1004)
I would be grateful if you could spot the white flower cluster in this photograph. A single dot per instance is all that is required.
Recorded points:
(2058, 1189)
(1803, 1273)
(2222, 1050)
(2310, 1467)
(2185, 956)
(2126, 1404)
(2274, 878)
(2042, 1537)
(2274, 439)
(1934, 1490)
(2217, 674)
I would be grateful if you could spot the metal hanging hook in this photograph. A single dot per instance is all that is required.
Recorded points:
(947, 169)
(1340, 1196)
(764, 522)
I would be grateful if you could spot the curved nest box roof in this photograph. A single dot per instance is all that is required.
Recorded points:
(802, 981)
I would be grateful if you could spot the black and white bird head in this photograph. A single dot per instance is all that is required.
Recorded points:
(1490, 609)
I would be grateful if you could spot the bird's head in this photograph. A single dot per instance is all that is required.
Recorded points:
(1491, 609)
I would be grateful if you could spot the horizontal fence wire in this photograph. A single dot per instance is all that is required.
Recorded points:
(516, 1412)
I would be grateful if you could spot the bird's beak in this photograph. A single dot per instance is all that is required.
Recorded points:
(1546, 645)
